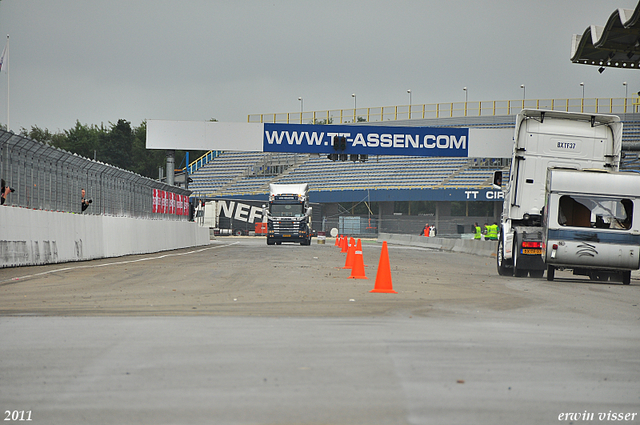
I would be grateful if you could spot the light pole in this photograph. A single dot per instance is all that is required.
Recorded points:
(626, 93)
(409, 91)
(582, 85)
(353, 95)
(524, 92)
(301, 108)
(466, 99)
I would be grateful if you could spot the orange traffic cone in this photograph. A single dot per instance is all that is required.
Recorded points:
(337, 243)
(357, 271)
(350, 253)
(383, 276)
(344, 244)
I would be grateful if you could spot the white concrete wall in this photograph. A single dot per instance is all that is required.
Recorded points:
(32, 237)
(468, 246)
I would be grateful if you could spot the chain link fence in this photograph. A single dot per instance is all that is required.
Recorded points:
(47, 178)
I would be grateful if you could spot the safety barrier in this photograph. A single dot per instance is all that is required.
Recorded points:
(467, 246)
(35, 237)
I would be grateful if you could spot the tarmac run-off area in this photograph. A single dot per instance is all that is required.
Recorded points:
(239, 332)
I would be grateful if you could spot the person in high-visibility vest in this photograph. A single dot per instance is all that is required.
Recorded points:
(426, 230)
(492, 234)
(478, 231)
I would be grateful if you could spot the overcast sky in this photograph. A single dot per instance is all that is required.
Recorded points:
(99, 61)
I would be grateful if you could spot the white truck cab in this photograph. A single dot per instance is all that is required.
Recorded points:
(543, 140)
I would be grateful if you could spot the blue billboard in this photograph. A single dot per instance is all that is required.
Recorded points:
(367, 140)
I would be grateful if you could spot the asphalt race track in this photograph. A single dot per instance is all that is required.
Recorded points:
(241, 333)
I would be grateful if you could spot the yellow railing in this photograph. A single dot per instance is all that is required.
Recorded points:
(450, 110)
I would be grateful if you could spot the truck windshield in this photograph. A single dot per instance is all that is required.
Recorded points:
(280, 210)
(595, 212)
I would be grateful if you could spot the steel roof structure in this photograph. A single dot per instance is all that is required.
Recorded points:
(616, 44)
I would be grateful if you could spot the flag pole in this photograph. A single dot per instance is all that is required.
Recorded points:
(7, 59)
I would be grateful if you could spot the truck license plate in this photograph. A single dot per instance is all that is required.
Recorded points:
(531, 251)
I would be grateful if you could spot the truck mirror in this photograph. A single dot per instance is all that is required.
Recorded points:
(309, 211)
(497, 179)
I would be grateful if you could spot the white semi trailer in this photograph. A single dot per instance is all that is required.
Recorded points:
(230, 216)
(544, 140)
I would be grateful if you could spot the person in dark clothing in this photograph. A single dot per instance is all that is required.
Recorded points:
(4, 191)
(85, 202)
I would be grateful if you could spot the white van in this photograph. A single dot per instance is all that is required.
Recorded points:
(591, 223)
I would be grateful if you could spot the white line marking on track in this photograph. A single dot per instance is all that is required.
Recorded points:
(13, 279)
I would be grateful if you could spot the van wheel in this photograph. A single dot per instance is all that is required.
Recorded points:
(551, 272)
(626, 277)
(536, 273)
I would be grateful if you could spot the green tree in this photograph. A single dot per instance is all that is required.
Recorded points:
(117, 144)
(42, 135)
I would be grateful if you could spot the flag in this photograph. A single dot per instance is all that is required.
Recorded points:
(4, 52)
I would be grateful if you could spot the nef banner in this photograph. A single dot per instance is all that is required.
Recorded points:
(370, 140)
(170, 203)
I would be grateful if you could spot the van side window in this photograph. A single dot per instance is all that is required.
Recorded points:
(595, 212)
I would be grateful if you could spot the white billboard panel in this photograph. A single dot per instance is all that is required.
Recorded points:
(204, 135)
(307, 138)
(490, 142)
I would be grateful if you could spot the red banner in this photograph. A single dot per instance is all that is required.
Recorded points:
(178, 204)
(169, 203)
(156, 201)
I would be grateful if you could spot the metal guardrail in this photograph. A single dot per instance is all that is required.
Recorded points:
(451, 110)
(48, 178)
(202, 161)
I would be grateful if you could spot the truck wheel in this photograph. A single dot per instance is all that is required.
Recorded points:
(551, 272)
(517, 272)
(270, 242)
(238, 232)
(626, 277)
(502, 268)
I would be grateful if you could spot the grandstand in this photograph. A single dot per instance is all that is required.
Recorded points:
(223, 177)
(383, 179)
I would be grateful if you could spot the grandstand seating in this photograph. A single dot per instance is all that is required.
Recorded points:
(235, 174)
(249, 173)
